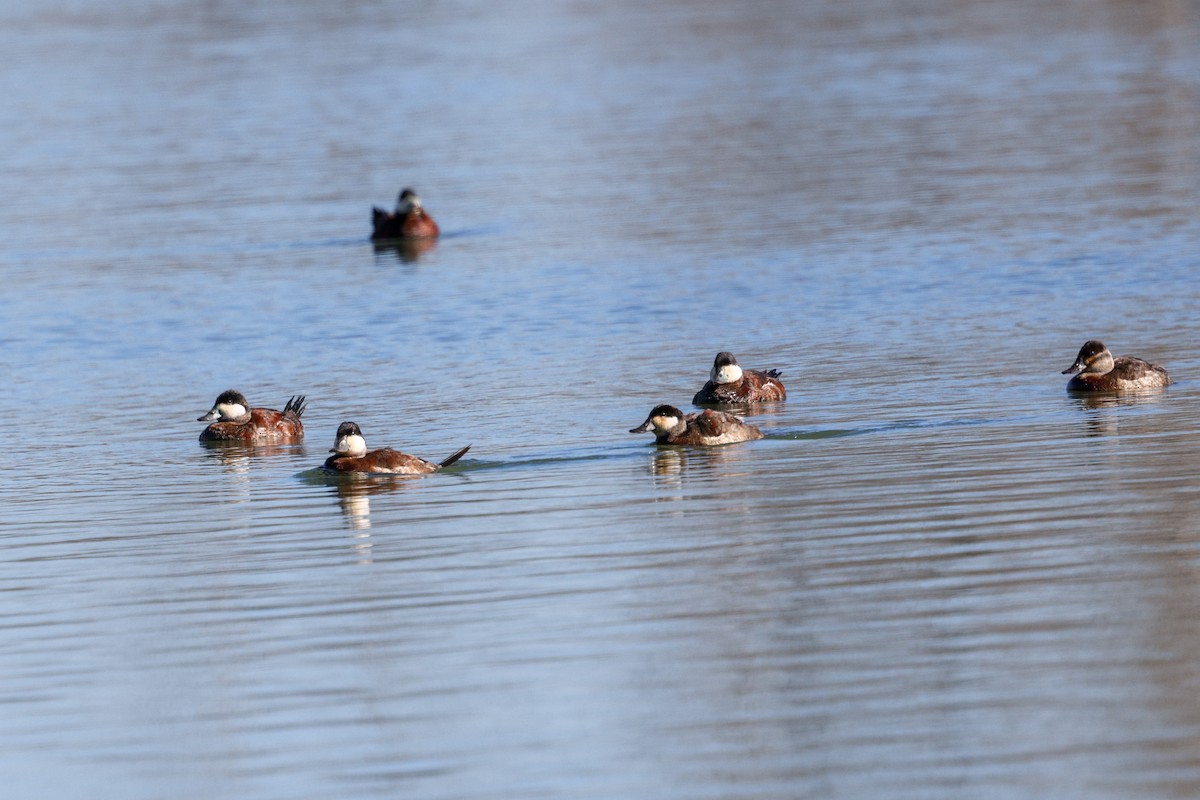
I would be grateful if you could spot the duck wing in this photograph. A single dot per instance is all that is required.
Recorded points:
(1129, 368)
(767, 386)
(712, 423)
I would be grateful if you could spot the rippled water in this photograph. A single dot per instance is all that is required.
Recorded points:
(939, 576)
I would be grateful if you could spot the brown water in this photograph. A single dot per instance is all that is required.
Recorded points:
(939, 576)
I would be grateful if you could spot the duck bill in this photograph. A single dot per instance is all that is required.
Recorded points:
(645, 427)
(209, 417)
(1071, 370)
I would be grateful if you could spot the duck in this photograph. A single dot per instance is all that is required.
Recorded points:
(709, 427)
(350, 454)
(1095, 370)
(233, 419)
(410, 220)
(729, 384)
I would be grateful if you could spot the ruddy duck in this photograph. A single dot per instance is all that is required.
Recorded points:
(410, 220)
(709, 427)
(1098, 371)
(350, 455)
(729, 384)
(237, 421)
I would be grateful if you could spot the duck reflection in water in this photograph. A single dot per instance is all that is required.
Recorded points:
(407, 251)
(237, 459)
(1102, 411)
(677, 462)
(674, 469)
(354, 491)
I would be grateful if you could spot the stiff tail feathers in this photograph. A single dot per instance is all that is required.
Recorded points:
(295, 405)
(455, 457)
(380, 220)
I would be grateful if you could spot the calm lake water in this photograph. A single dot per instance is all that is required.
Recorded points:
(939, 576)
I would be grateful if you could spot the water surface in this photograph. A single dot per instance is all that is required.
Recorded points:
(939, 576)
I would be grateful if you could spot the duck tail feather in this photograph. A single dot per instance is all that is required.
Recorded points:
(295, 405)
(450, 460)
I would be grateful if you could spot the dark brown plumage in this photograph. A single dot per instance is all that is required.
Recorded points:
(1099, 371)
(672, 426)
(751, 385)
(235, 420)
(408, 221)
(350, 454)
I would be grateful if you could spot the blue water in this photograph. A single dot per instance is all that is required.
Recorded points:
(938, 576)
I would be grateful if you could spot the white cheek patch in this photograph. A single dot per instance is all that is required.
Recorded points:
(730, 373)
(231, 410)
(662, 423)
(352, 445)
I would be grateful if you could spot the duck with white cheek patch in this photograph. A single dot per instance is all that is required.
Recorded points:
(729, 384)
(671, 426)
(410, 220)
(350, 454)
(234, 420)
